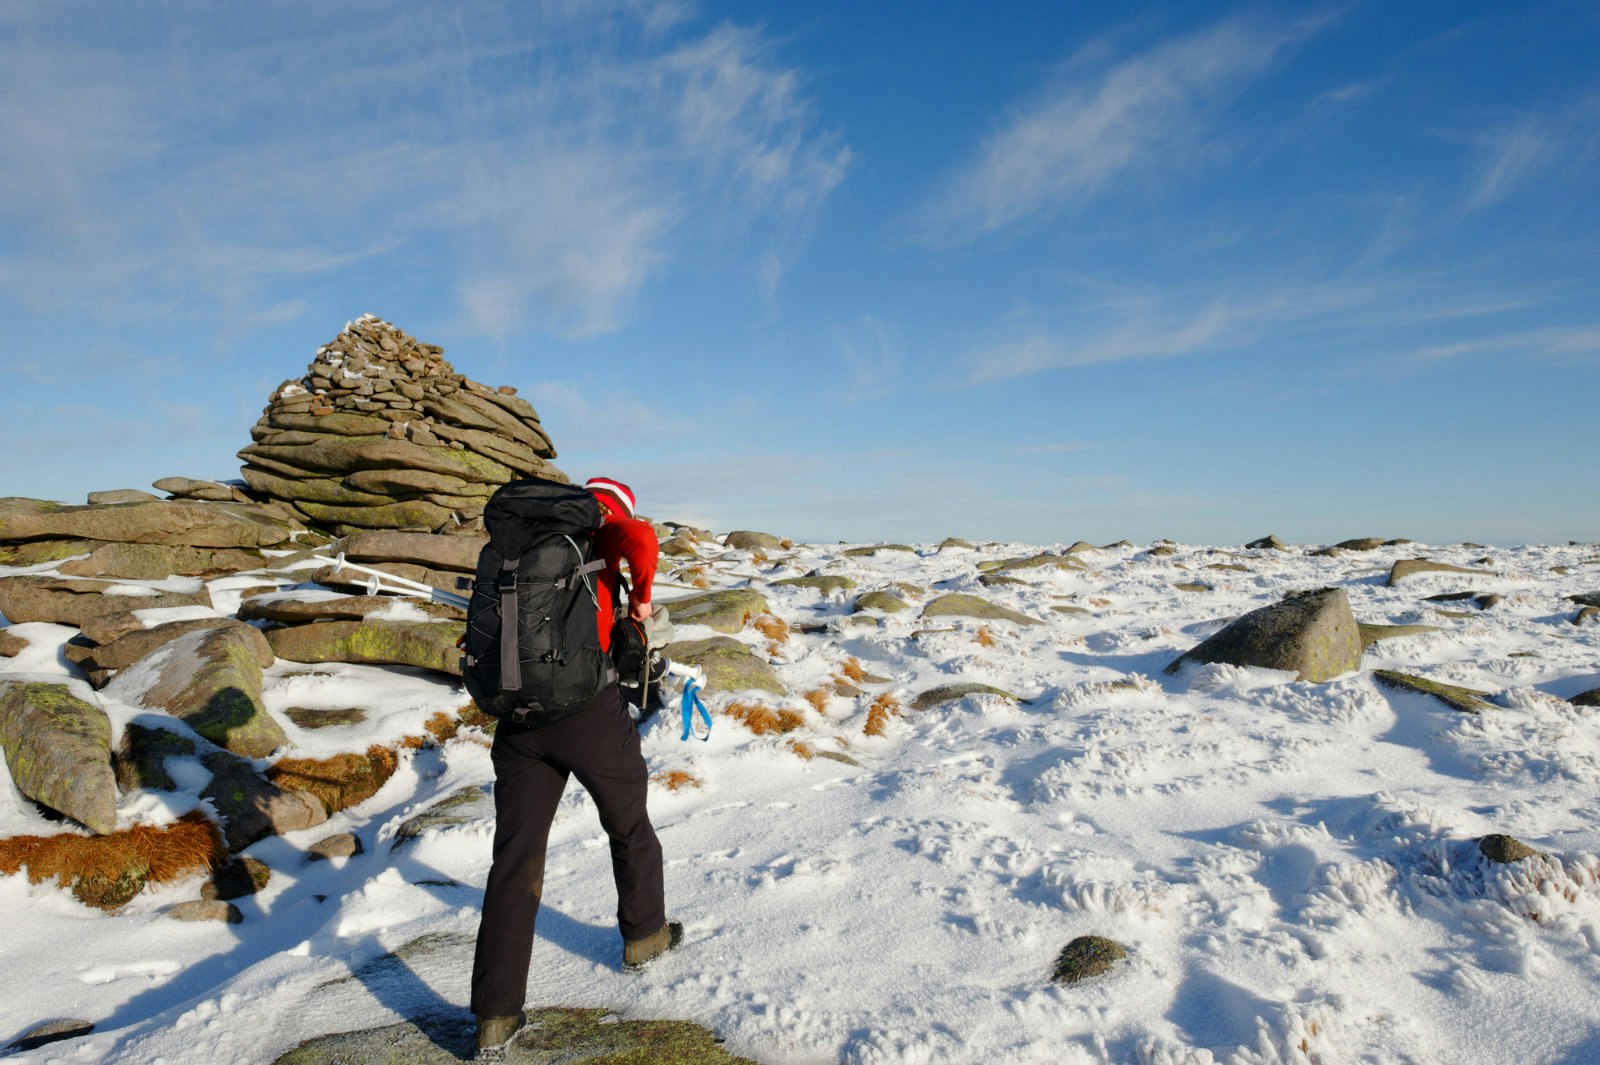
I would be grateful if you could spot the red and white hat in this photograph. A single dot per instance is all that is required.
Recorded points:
(612, 491)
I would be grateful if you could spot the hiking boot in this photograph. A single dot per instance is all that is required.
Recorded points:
(494, 1033)
(636, 952)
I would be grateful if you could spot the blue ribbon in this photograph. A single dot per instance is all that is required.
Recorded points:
(691, 699)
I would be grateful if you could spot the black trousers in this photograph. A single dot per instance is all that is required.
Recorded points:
(600, 746)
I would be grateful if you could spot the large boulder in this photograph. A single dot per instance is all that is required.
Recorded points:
(749, 540)
(725, 611)
(76, 600)
(58, 748)
(176, 522)
(1313, 634)
(423, 549)
(425, 644)
(99, 661)
(826, 583)
(211, 680)
(729, 665)
(382, 433)
(191, 488)
(287, 609)
(961, 605)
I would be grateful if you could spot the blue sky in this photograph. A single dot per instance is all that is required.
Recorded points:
(840, 271)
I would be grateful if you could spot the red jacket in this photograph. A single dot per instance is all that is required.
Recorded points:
(620, 539)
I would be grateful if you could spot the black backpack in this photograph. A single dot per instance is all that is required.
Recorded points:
(533, 643)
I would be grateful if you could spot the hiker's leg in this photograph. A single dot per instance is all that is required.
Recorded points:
(526, 791)
(615, 776)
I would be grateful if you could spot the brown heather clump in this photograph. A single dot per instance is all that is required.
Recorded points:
(338, 782)
(773, 628)
(882, 709)
(802, 749)
(763, 720)
(818, 698)
(852, 669)
(108, 870)
(673, 779)
(986, 638)
(758, 556)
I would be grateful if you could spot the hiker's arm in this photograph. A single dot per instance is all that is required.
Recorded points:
(642, 550)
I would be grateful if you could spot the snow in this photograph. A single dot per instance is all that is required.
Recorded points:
(1290, 865)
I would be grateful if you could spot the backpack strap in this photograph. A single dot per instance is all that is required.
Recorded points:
(573, 579)
(510, 649)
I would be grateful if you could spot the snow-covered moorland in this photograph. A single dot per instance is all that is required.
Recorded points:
(1292, 867)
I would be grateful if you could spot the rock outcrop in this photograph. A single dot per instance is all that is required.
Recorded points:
(58, 748)
(1313, 634)
(382, 433)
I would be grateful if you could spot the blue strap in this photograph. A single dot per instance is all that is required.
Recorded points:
(691, 699)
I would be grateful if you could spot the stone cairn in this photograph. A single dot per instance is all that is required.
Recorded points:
(382, 433)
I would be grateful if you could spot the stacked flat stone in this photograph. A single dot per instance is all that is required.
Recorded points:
(382, 433)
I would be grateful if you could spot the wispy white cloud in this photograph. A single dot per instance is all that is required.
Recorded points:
(552, 157)
(1567, 342)
(873, 350)
(1099, 121)
(1520, 150)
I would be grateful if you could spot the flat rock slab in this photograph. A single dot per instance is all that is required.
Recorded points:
(75, 601)
(424, 644)
(1467, 700)
(1313, 634)
(1410, 567)
(251, 806)
(58, 749)
(886, 602)
(826, 583)
(290, 611)
(190, 488)
(130, 647)
(154, 562)
(1047, 561)
(961, 605)
(211, 680)
(460, 807)
(867, 552)
(174, 521)
(422, 549)
(1371, 634)
(949, 693)
(728, 664)
(553, 1036)
(725, 611)
(336, 577)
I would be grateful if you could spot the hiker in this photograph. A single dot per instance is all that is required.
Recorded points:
(600, 746)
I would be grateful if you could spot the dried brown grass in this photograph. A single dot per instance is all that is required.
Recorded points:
(189, 845)
(763, 720)
(818, 698)
(673, 779)
(852, 670)
(758, 556)
(882, 709)
(338, 782)
(773, 628)
(986, 638)
(803, 749)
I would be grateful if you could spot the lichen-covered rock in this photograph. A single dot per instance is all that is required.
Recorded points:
(154, 562)
(177, 522)
(729, 665)
(949, 693)
(826, 583)
(1362, 543)
(1410, 567)
(886, 602)
(75, 601)
(58, 749)
(211, 680)
(1467, 700)
(424, 644)
(206, 910)
(251, 806)
(1504, 849)
(961, 605)
(130, 647)
(191, 488)
(954, 543)
(556, 1034)
(287, 609)
(236, 879)
(422, 549)
(460, 807)
(312, 718)
(1086, 956)
(1267, 543)
(141, 758)
(1313, 634)
(725, 611)
(1048, 561)
(867, 552)
(11, 644)
(747, 540)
